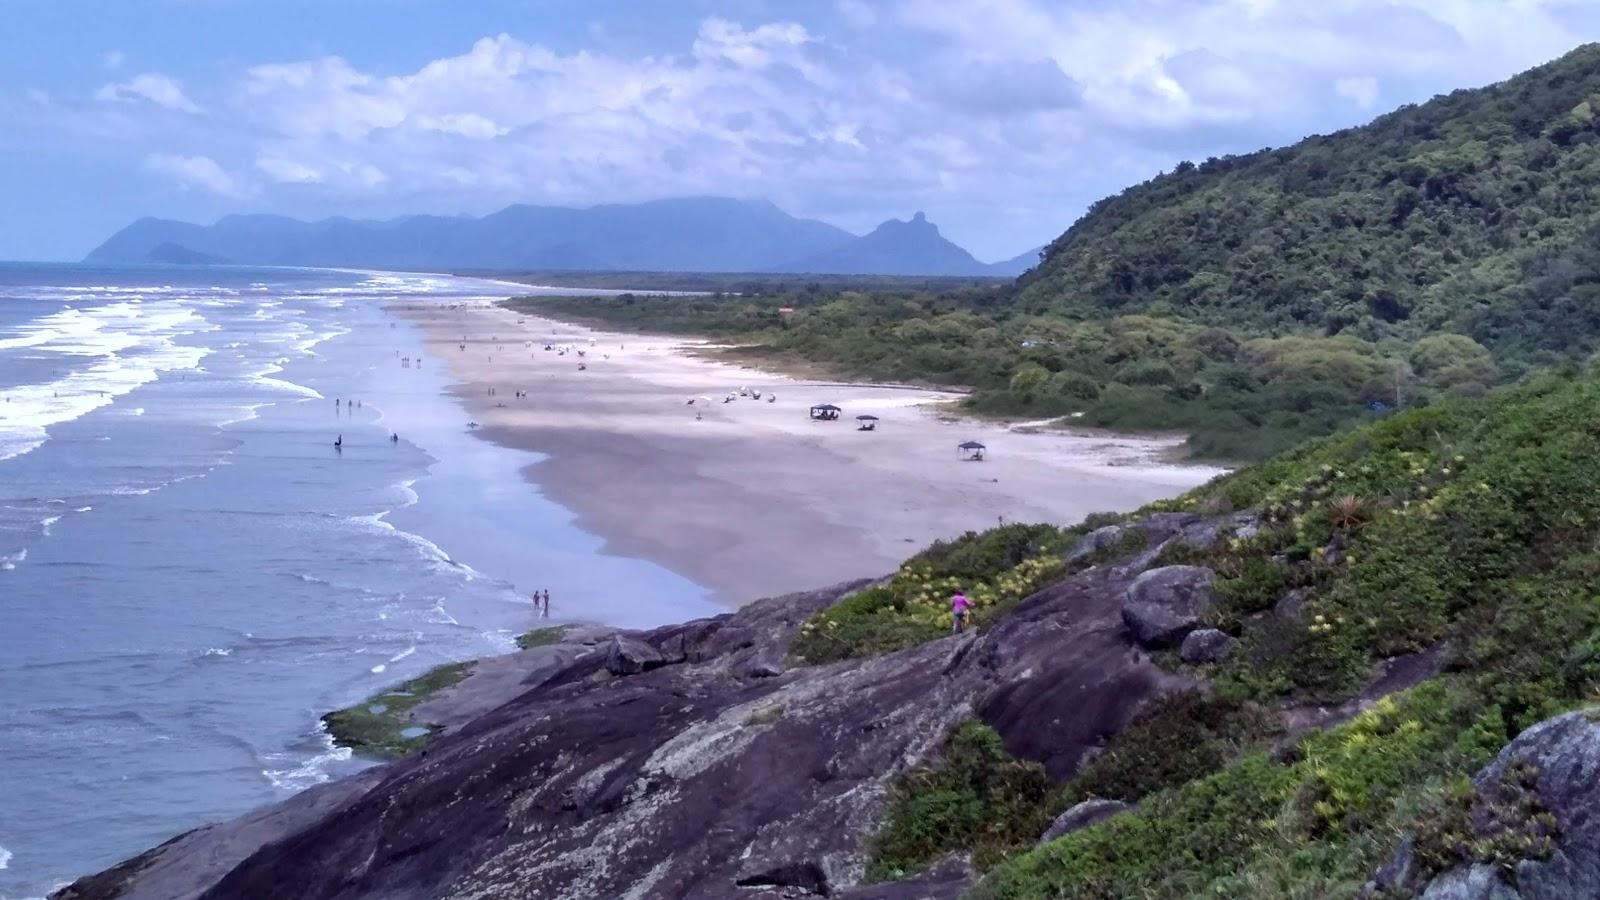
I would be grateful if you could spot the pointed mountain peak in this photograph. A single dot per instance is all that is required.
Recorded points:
(917, 224)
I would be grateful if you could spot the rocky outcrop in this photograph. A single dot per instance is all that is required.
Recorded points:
(696, 761)
(631, 656)
(1097, 541)
(690, 762)
(1163, 605)
(1532, 815)
(1082, 815)
(1206, 645)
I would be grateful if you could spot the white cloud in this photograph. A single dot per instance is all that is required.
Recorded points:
(1176, 64)
(1361, 90)
(754, 49)
(193, 172)
(285, 171)
(469, 125)
(858, 13)
(113, 60)
(320, 97)
(158, 89)
(1012, 115)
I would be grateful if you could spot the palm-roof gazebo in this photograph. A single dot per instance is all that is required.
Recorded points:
(971, 450)
(868, 423)
(825, 412)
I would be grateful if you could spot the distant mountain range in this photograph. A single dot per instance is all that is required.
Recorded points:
(694, 234)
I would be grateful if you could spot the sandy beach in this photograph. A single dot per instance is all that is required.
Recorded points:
(752, 498)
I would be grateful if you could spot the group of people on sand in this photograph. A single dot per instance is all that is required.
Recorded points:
(542, 604)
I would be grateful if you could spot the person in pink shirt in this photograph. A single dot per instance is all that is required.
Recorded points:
(959, 604)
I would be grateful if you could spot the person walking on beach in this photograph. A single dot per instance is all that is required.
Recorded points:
(547, 603)
(959, 604)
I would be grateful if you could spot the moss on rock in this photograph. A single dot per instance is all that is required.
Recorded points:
(381, 724)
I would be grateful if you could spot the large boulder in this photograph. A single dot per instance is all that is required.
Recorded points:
(1206, 645)
(1096, 541)
(1162, 605)
(1208, 534)
(1550, 772)
(1082, 815)
(631, 656)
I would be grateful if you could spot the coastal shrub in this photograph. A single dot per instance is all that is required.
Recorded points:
(1316, 820)
(1179, 737)
(1501, 827)
(1476, 524)
(979, 556)
(876, 620)
(1251, 583)
(994, 568)
(974, 796)
(379, 726)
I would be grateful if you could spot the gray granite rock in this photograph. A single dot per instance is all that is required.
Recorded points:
(1082, 815)
(1206, 645)
(629, 656)
(1096, 541)
(1164, 604)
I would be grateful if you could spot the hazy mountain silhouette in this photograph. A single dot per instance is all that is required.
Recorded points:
(692, 234)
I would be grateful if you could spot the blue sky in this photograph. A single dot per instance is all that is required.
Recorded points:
(1003, 119)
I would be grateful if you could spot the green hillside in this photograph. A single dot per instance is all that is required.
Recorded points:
(1463, 533)
(1475, 213)
(1252, 301)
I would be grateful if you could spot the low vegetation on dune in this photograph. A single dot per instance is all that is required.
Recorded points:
(1467, 529)
(1239, 395)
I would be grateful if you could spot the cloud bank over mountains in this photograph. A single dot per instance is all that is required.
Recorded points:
(1002, 118)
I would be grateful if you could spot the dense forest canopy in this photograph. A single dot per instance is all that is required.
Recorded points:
(1474, 213)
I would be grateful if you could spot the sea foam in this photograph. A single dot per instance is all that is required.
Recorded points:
(131, 343)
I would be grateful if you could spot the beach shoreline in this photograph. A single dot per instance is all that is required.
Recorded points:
(752, 498)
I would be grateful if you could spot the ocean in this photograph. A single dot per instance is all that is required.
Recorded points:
(191, 573)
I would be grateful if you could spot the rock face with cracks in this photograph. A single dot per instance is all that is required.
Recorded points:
(1561, 759)
(693, 761)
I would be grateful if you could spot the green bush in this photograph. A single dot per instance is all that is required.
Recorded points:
(876, 620)
(1314, 822)
(1179, 737)
(975, 796)
(994, 568)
